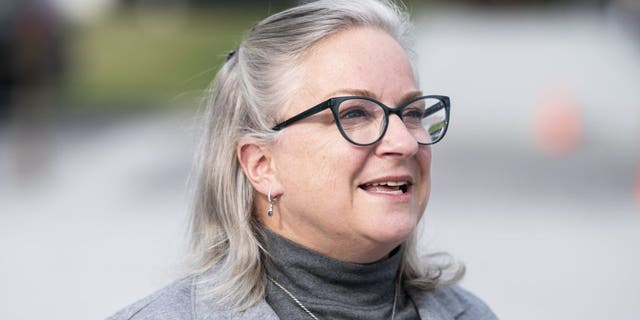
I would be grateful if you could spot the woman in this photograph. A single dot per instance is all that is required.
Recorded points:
(314, 174)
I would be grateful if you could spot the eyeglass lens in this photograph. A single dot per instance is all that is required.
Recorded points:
(363, 121)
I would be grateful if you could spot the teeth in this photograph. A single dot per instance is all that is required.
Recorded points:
(390, 183)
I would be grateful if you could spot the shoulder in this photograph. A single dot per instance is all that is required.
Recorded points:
(172, 302)
(451, 302)
(474, 307)
(185, 300)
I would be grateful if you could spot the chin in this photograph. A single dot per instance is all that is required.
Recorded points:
(395, 232)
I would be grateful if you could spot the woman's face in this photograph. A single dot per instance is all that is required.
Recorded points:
(329, 202)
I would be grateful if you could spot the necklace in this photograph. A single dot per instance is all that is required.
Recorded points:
(393, 310)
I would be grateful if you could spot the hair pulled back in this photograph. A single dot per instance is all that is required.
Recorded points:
(246, 97)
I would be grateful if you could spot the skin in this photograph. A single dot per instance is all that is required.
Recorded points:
(317, 175)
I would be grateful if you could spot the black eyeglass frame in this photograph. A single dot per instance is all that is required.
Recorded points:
(334, 103)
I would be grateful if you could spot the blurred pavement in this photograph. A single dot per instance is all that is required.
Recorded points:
(547, 232)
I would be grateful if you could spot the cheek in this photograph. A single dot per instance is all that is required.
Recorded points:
(314, 161)
(334, 167)
(424, 161)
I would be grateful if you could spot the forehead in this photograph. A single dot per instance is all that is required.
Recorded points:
(366, 59)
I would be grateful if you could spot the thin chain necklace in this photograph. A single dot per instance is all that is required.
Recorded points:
(393, 310)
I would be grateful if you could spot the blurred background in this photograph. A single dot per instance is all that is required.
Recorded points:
(536, 187)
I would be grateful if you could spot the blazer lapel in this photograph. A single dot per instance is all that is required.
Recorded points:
(206, 309)
(262, 310)
(210, 311)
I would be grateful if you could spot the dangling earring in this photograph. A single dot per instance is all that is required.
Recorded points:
(270, 212)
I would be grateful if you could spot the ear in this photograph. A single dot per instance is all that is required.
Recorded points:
(255, 158)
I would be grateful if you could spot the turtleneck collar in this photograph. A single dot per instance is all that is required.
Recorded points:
(319, 280)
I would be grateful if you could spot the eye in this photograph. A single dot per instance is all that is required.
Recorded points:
(357, 112)
(413, 113)
(354, 112)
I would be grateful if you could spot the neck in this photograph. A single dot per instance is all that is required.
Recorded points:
(312, 275)
(351, 250)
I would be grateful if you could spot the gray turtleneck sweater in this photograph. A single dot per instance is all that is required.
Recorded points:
(332, 289)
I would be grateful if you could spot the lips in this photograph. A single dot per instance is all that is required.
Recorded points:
(391, 187)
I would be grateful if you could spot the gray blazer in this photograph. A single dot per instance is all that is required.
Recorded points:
(178, 302)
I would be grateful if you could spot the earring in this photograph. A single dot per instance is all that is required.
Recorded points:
(270, 212)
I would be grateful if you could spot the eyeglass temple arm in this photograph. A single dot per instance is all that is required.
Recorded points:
(442, 103)
(321, 106)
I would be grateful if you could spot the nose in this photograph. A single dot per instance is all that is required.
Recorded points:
(397, 139)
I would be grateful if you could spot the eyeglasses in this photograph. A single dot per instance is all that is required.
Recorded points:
(363, 121)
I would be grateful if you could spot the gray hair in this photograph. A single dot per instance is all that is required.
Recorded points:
(247, 95)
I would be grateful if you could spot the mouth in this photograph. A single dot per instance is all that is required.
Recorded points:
(387, 187)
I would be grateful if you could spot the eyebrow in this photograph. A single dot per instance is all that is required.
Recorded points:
(366, 93)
